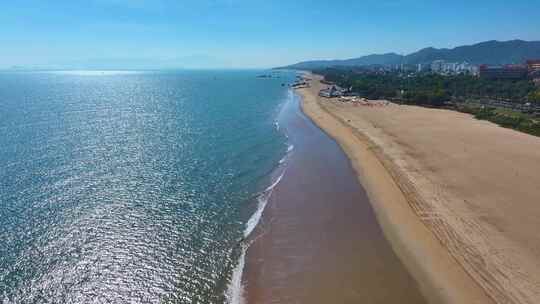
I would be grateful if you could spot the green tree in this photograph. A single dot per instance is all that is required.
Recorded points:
(534, 97)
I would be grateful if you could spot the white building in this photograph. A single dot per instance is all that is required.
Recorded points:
(437, 66)
(422, 67)
(451, 68)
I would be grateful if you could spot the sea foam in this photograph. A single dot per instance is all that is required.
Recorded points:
(235, 290)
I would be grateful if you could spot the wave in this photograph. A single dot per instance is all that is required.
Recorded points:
(235, 290)
(262, 201)
(290, 148)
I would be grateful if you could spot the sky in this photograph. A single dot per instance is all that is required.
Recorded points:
(146, 34)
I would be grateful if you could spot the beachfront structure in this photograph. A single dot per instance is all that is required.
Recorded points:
(510, 71)
(333, 91)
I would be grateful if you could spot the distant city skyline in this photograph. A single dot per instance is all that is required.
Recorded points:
(144, 34)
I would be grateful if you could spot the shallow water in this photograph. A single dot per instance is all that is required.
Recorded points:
(131, 187)
(318, 240)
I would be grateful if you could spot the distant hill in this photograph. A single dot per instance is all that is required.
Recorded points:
(389, 58)
(489, 52)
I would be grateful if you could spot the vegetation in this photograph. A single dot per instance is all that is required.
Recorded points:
(432, 90)
(505, 118)
(436, 90)
(534, 97)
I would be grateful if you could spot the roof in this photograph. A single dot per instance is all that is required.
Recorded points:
(484, 67)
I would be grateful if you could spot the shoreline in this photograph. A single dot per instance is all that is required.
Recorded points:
(440, 277)
(318, 240)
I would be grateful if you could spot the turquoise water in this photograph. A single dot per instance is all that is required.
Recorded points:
(131, 187)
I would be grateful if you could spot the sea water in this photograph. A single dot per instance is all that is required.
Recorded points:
(134, 187)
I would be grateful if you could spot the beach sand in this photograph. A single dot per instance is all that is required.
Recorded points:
(319, 240)
(458, 198)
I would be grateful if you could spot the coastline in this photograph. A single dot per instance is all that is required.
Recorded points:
(440, 277)
(318, 240)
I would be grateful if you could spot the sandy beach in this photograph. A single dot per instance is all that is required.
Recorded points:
(319, 240)
(457, 198)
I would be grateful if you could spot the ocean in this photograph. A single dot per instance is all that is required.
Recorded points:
(134, 187)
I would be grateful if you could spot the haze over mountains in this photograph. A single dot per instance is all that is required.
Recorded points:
(488, 52)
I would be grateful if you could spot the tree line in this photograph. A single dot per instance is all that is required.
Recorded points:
(432, 89)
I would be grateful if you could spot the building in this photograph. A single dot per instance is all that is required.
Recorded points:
(533, 65)
(408, 68)
(449, 67)
(473, 70)
(452, 68)
(423, 67)
(466, 68)
(463, 68)
(511, 71)
(331, 92)
(437, 66)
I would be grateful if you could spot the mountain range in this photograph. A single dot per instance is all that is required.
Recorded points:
(488, 52)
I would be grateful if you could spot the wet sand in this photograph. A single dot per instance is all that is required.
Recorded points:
(457, 197)
(319, 240)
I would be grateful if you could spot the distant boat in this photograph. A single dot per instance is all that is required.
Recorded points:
(264, 76)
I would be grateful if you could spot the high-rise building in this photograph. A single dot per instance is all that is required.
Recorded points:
(422, 67)
(450, 67)
(437, 66)
(473, 70)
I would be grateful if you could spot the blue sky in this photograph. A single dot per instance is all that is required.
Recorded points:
(245, 34)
